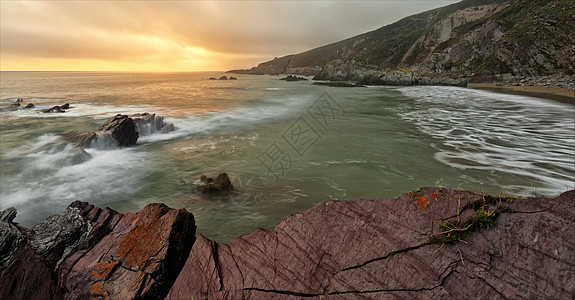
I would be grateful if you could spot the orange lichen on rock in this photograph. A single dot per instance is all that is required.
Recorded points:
(102, 270)
(148, 239)
(96, 291)
(421, 202)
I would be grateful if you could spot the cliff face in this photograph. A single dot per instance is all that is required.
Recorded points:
(479, 37)
(430, 243)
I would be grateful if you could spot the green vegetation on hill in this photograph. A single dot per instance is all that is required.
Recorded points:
(482, 37)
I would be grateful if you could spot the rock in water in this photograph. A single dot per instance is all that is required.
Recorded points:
(122, 128)
(148, 124)
(87, 252)
(224, 78)
(216, 185)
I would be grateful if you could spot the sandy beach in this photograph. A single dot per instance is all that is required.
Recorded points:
(564, 95)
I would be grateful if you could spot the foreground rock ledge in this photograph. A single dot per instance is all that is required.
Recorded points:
(337, 250)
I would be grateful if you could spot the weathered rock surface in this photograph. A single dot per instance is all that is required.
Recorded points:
(88, 252)
(375, 249)
(224, 78)
(380, 249)
(212, 186)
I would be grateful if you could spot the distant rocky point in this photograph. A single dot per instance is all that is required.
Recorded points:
(432, 243)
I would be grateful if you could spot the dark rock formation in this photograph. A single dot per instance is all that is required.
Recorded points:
(55, 109)
(65, 106)
(216, 185)
(148, 124)
(337, 84)
(213, 78)
(29, 105)
(382, 249)
(122, 128)
(293, 78)
(232, 78)
(88, 252)
(224, 78)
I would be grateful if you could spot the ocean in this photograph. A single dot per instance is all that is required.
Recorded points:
(287, 146)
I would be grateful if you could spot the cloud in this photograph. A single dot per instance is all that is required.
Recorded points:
(246, 32)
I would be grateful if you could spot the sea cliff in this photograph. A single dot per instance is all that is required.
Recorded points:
(433, 243)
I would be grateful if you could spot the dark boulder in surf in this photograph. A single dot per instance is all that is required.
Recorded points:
(122, 128)
(224, 78)
(55, 109)
(213, 186)
(29, 105)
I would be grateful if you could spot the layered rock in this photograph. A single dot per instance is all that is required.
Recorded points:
(410, 247)
(148, 124)
(88, 252)
(382, 249)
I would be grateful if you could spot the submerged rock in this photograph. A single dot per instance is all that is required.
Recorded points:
(293, 78)
(216, 185)
(55, 109)
(224, 78)
(29, 105)
(80, 139)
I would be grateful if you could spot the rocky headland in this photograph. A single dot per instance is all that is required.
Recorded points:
(433, 243)
(504, 42)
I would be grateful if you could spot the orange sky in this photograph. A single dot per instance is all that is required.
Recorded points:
(180, 35)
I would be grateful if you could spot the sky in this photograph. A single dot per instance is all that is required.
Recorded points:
(184, 35)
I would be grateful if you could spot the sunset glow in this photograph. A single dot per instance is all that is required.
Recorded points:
(179, 35)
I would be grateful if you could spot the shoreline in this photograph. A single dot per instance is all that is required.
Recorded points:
(563, 95)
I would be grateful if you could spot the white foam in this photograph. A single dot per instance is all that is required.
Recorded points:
(523, 137)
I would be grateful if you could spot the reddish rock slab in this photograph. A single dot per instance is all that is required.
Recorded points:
(88, 252)
(380, 249)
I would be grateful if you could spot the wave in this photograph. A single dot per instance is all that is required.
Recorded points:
(529, 139)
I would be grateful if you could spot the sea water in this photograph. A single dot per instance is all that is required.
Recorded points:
(286, 146)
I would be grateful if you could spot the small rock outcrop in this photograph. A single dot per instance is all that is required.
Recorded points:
(293, 78)
(224, 78)
(212, 186)
(29, 105)
(232, 78)
(122, 128)
(88, 252)
(213, 78)
(148, 124)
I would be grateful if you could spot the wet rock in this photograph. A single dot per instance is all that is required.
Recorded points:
(65, 106)
(55, 109)
(213, 78)
(123, 130)
(232, 78)
(382, 249)
(224, 78)
(216, 185)
(29, 105)
(148, 124)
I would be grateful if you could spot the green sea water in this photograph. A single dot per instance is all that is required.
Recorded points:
(287, 146)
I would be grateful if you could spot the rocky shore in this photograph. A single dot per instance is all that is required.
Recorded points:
(433, 243)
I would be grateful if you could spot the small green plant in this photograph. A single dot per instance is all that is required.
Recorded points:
(454, 230)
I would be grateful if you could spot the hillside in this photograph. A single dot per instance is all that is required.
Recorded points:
(472, 37)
